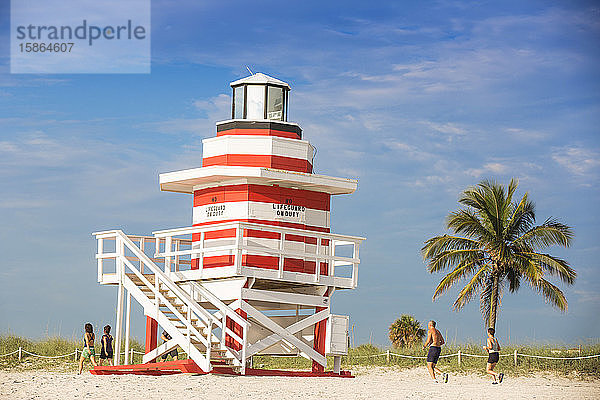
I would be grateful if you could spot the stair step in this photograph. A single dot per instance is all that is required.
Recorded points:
(220, 358)
(177, 319)
(221, 351)
(167, 309)
(221, 362)
(136, 280)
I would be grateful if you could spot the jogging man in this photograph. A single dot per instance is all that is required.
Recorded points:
(435, 342)
(493, 348)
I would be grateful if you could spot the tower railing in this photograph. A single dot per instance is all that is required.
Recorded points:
(177, 250)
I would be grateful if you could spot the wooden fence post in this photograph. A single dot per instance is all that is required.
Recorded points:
(515, 358)
(387, 356)
(131, 356)
(75, 354)
(459, 358)
(20, 353)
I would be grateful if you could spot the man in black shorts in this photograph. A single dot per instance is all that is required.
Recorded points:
(435, 342)
(166, 337)
(493, 348)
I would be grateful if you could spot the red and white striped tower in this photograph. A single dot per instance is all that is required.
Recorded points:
(259, 170)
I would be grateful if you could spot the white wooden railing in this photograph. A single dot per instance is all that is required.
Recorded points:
(175, 248)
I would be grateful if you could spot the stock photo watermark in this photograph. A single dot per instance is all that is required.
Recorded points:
(80, 36)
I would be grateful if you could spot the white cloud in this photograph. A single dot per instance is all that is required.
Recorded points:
(587, 296)
(217, 108)
(409, 150)
(447, 127)
(526, 134)
(578, 160)
(197, 126)
(490, 167)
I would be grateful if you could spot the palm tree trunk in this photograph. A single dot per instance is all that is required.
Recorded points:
(494, 303)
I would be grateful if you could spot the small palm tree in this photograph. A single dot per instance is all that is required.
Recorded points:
(406, 331)
(500, 248)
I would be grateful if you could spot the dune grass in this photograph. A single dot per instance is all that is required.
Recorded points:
(50, 346)
(364, 356)
(369, 355)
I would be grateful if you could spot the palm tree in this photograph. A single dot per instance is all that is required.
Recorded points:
(499, 247)
(406, 331)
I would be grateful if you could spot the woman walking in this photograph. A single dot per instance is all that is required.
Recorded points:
(493, 348)
(88, 347)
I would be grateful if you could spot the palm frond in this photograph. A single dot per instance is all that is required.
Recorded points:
(465, 268)
(449, 258)
(467, 222)
(551, 232)
(481, 199)
(552, 294)
(514, 280)
(521, 220)
(439, 244)
(471, 288)
(555, 266)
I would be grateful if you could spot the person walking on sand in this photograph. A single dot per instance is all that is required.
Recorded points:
(106, 349)
(88, 347)
(435, 341)
(493, 349)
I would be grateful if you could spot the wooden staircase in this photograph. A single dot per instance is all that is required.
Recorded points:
(199, 328)
(219, 356)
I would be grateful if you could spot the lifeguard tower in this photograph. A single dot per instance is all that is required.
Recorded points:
(256, 271)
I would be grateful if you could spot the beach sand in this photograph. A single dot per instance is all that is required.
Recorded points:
(370, 383)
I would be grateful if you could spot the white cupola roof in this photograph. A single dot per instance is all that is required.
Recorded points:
(260, 79)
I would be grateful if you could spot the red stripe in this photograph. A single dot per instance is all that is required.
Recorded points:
(259, 132)
(272, 223)
(261, 234)
(259, 160)
(230, 233)
(258, 261)
(264, 194)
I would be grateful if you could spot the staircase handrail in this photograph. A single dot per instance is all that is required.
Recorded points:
(180, 293)
(221, 306)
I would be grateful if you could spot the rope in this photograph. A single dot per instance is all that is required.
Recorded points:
(404, 356)
(352, 356)
(558, 358)
(477, 355)
(39, 355)
(9, 354)
(473, 355)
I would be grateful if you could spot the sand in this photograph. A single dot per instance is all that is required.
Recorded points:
(370, 383)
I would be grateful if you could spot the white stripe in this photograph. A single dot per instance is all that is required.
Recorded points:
(259, 210)
(259, 145)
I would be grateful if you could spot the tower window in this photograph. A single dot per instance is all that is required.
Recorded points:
(275, 103)
(238, 102)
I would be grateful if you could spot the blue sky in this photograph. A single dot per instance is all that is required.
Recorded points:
(417, 100)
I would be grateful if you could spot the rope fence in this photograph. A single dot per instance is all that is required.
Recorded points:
(20, 351)
(460, 354)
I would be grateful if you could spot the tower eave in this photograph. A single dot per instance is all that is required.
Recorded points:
(184, 181)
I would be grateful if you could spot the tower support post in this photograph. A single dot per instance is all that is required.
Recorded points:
(151, 334)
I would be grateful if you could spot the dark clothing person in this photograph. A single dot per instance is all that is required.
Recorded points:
(434, 354)
(107, 349)
(173, 353)
(493, 358)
